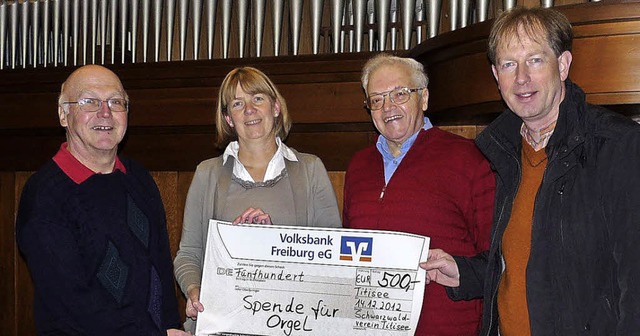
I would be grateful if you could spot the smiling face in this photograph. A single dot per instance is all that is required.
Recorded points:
(397, 122)
(531, 79)
(252, 115)
(92, 136)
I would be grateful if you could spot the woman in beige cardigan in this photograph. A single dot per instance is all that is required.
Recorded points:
(258, 179)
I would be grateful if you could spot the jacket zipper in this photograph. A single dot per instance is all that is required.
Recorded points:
(533, 220)
(495, 292)
(382, 193)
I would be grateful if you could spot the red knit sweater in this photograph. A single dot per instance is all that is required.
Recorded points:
(442, 189)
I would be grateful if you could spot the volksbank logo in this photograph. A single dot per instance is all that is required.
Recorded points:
(356, 248)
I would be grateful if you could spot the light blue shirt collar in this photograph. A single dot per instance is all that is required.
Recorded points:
(391, 163)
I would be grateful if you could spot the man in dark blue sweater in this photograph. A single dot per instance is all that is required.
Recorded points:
(92, 226)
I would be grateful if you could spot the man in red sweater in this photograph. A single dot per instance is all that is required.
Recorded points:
(422, 180)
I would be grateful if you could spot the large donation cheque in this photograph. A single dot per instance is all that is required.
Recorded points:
(291, 280)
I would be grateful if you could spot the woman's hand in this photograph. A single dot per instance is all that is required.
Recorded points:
(193, 301)
(253, 216)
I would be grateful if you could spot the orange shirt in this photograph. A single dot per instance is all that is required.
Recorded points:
(516, 246)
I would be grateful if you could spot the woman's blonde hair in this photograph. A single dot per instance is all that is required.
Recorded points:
(252, 81)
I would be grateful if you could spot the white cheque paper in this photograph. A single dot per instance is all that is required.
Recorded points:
(283, 280)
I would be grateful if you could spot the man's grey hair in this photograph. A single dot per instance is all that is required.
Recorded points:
(418, 75)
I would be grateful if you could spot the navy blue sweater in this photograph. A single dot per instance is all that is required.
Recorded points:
(98, 253)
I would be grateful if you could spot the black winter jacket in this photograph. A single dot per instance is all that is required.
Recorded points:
(583, 274)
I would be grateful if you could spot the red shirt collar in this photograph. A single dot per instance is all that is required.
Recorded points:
(75, 169)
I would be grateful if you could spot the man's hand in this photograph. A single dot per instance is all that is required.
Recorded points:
(441, 268)
(193, 302)
(177, 332)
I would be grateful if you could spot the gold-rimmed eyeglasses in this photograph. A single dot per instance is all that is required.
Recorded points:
(397, 96)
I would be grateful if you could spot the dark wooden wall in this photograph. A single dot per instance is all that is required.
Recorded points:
(171, 130)
(171, 120)
(606, 64)
(172, 109)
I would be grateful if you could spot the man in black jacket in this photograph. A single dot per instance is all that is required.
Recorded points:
(566, 235)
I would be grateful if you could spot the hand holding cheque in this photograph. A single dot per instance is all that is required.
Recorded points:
(280, 280)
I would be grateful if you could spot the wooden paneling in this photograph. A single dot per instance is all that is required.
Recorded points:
(171, 122)
(23, 289)
(7, 253)
(608, 72)
(606, 63)
(337, 147)
(184, 181)
(337, 180)
(469, 132)
(168, 184)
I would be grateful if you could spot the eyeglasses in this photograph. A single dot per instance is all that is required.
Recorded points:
(397, 96)
(95, 104)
